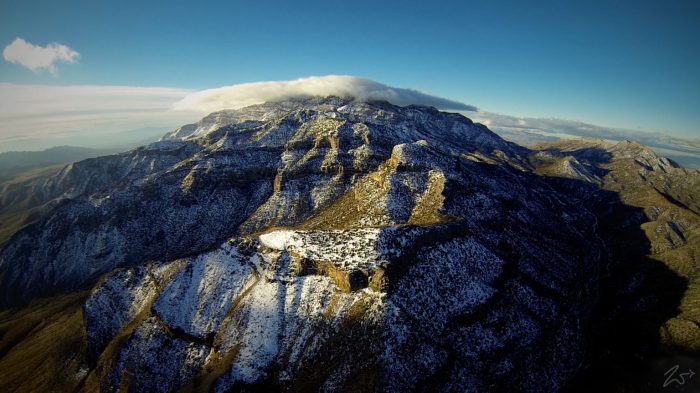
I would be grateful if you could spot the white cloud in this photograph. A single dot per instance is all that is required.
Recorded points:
(39, 116)
(238, 96)
(37, 58)
(532, 130)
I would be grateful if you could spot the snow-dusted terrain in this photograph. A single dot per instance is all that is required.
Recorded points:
(322, 244)
(248, 304)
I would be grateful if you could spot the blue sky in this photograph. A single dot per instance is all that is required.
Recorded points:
(628, 64)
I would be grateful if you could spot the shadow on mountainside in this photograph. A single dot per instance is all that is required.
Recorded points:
(631, 297)
(636, 295)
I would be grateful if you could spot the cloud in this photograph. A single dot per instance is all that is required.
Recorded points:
(529, 130)
(37, 58)
(238, 96)
(39, 116)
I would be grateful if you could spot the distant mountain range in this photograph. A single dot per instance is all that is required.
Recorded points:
(14, 162)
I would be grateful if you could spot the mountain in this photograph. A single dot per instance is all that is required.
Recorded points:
(22, 175)
(15, 162)
(647, 318)
(22, 200)
(333, 244)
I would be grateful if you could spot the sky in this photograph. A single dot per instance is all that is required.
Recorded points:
(629, 65)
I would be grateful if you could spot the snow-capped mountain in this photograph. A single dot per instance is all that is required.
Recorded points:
(332, 244)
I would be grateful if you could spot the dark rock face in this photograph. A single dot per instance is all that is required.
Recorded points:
(324, 244)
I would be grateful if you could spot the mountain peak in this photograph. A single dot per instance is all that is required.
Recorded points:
(300, 243)
(380, 119)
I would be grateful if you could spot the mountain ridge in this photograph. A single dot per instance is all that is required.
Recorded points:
(323, 243)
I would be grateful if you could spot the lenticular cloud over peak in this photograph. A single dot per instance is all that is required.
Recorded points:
(238, 96)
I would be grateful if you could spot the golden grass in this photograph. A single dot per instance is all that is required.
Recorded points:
(105, 362)
(212, 371)
(44, 346)
(32, 174)
(428, 206)
(12, 222)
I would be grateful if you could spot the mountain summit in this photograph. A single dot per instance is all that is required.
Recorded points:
(236, 173)
(334, 244)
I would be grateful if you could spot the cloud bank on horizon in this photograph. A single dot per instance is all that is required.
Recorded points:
(544, 129)
(35, 117)
(37, 58)
(528, 131)
(245, 94)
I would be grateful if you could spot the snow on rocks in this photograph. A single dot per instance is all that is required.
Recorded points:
(198, 297)
(255, 331)
(453, 278)
(348, 249)
(280, 240)
(112, 305)
(154, 361)
(406, 263)
(348, 257)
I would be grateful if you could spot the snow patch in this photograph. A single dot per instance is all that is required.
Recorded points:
(280, 240)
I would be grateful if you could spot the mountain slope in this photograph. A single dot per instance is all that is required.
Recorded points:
(666, 219)
(327, 243)
(15, 162)
(177, 198)
(22, 200)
